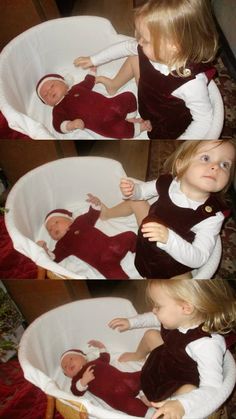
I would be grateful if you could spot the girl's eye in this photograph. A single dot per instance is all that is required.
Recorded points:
(225, 165)
(205, 157)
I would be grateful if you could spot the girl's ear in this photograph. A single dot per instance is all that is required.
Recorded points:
(187, 307)
(178, 166)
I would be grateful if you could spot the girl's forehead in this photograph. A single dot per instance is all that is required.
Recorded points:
(224, 147)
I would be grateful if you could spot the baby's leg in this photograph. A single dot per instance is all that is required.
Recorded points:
(128, 70)
(150, 340)
(139, 208)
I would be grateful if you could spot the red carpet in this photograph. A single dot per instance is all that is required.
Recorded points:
(19, 398)
(13, 264)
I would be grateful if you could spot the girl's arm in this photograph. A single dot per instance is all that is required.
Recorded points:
(143, 191)
(137, 322)
(113, 52)
(197, 253)
(195, 94)
(209, 355)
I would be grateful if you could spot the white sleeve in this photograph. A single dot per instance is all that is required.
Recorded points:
(208, 353)
(80, 387)
(195, 94)
(144, 191)
(115, 51)
(197, 253)
(144, 320)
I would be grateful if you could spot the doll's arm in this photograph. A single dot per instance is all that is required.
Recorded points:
(68, 126)
(43, 244)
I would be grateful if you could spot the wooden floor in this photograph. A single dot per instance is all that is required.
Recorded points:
(119, 12)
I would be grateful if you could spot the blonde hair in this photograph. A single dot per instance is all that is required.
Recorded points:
(188, 24)
(214, 300)
(186, 151)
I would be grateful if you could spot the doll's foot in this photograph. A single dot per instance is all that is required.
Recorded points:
(108, 83)
(129, 356)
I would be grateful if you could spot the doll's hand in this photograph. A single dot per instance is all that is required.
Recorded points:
(88, 376)
(75, 124)
(43, 244)
(84, 62)
(127, 187)
(96, 344)
(93, 200)
(121, 324)
(155, 232)
(170, 409)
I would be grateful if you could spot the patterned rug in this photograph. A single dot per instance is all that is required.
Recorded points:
(158, 152)
(227, 87)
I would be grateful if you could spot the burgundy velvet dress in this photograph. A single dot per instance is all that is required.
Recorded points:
(168, 114)
(150, 260)
(168, 366)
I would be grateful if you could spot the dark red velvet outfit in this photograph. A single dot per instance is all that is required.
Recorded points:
(117, 388)
(94, 247)
(150, 260)
(168, 366)
(103, 115)
(168, 114)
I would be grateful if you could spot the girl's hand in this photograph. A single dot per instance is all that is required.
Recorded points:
(170, 409)
(127, 187)
(96, 344)
(88, 376)
(121, 324)
(84, 62)
(155, 232)
(93, 200)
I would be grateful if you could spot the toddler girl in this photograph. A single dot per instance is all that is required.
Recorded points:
(178, 232)
(187, 354)
(170, 60)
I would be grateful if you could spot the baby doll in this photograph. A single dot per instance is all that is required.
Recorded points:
(79, 107)
(80, 238)
(117, 388)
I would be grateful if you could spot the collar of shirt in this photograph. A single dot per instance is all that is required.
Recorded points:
(179, 198)
(163, 68)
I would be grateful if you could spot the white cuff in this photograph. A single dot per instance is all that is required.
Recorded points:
(63, 127)
(80, 387)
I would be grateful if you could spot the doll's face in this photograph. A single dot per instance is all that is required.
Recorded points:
(53, 91)
(71, 364)
(58, 226)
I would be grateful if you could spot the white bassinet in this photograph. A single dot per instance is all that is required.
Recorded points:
(64, 183)
(51, 47)
(73, 325)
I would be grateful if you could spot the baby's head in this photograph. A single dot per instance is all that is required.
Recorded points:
(51, 89)
(72, 361)
(58, 222)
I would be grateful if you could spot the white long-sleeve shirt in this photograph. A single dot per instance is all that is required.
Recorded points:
(193, 254)
(194, 92)
(208, 353)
